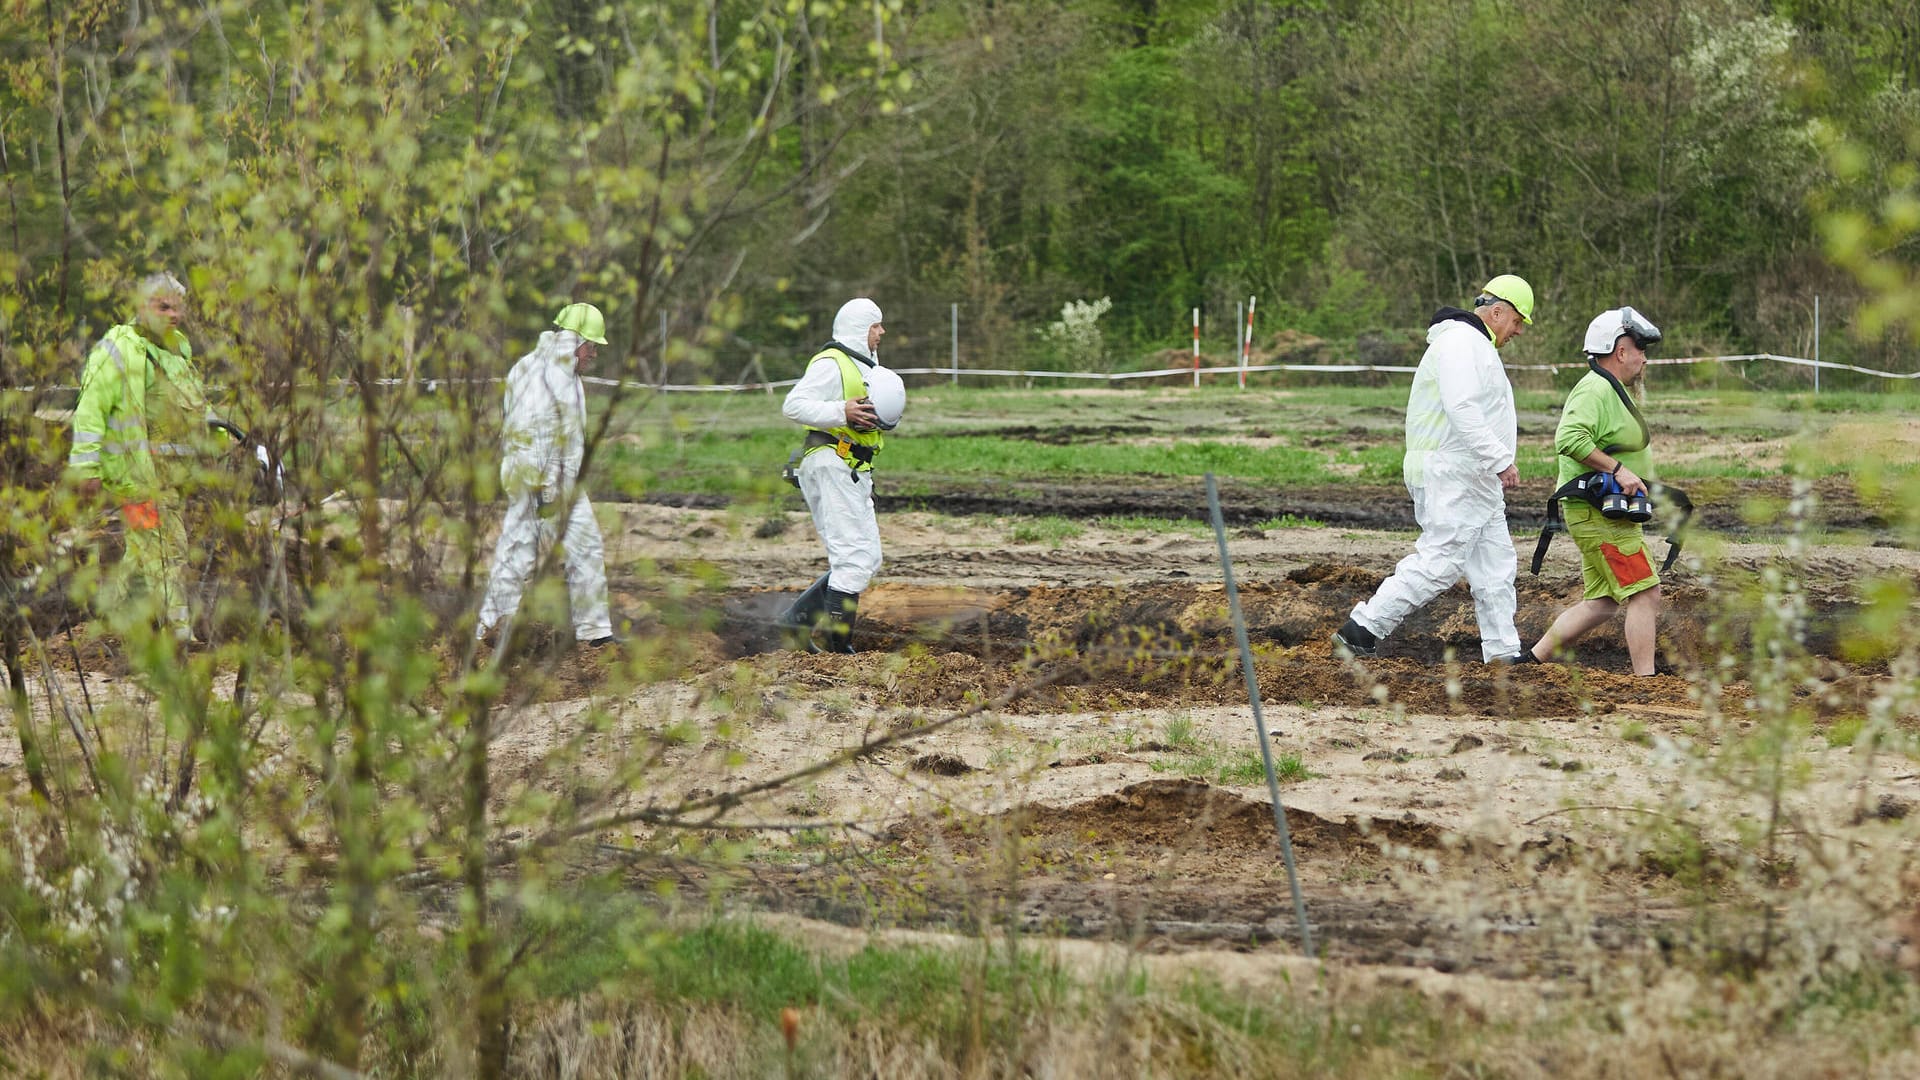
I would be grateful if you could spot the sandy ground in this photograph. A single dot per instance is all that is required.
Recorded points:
(1440, 809)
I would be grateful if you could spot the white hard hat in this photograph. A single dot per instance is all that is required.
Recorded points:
(888, 394)
(1603, 333)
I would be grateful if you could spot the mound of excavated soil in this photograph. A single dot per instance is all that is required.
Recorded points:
(1158, 817)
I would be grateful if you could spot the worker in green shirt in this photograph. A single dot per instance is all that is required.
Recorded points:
(1601, 429)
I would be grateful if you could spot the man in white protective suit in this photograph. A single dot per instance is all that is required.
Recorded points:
(1459, 465)
(543, 439)
(846, 400)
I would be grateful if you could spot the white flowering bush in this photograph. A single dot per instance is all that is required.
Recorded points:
(1075, 339)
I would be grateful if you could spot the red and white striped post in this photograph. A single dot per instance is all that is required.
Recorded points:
(1196, 348)
(1246, 343)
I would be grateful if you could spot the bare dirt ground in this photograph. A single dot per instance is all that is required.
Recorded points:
(1120, 800)
(1432, 801)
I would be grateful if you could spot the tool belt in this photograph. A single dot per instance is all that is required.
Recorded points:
(1593, 488)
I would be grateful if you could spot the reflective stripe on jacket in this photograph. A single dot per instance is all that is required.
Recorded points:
(139, 400)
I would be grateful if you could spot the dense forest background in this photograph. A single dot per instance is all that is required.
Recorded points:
(720, 175)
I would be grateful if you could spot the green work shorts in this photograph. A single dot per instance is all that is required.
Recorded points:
(1613, 553)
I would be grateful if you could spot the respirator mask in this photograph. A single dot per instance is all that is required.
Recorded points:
(1618, 505)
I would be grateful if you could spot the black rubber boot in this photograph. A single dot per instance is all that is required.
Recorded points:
(841, 609)
(1355, 639)
(803, 614)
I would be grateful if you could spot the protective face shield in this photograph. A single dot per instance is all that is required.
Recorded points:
(1605, 330)
(888, 395)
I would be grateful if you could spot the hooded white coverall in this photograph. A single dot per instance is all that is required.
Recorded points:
(543, 438)
(841, 500)
(1461, 434)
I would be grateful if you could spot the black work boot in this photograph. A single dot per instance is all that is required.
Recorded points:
(1355, 639)
(841, 609)
(799, 618)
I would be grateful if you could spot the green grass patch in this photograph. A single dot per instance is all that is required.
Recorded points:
(1290, 521)
(1238, 766)
(1844, 730)
(1137, 523)
(734, 445)
(1181, 734)
(617, 945)
(1045, 530)
(1306, 1041)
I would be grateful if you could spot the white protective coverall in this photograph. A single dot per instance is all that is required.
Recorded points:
(543, 438)
(1461, 434)
(841, 500)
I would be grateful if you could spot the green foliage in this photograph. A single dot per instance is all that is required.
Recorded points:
(373, 208)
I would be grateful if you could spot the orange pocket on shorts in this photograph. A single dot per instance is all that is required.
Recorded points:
(1627, 569)
(141, 515)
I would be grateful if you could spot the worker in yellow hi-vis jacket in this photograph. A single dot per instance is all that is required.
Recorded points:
(140, 422)
(845, 400)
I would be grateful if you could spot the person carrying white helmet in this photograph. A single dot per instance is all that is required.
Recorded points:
(845, 400)
(543, 440)
(1461, 438)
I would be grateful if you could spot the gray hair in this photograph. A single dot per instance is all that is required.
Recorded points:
(154, 284)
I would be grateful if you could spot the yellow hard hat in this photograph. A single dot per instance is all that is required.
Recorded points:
(1514, 290)
(585, 320)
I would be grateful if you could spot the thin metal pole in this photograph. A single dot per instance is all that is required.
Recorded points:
(663, 346)
(1259, 721)
(1196, 347)
(1246, 347)
(955, 351)
(1239, 327)
(1816, 343)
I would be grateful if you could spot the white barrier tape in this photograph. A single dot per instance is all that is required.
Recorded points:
(1118, 376)
(1797, 361)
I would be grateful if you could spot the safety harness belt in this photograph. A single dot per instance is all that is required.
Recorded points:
(816, 437)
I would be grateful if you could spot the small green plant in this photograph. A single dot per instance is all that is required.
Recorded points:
(1244, 767)
(1181, 734)
(1635, 731)
(1140, 523)
(1045, 530)
(1844, 730)
(1289, 769)
(1290, 521)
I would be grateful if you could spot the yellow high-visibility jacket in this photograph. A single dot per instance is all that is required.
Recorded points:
(139, 399)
